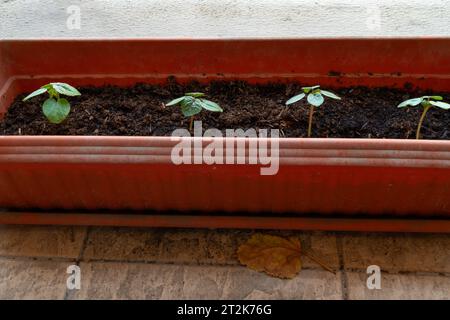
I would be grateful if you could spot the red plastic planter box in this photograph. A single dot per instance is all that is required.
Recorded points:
(326, 184)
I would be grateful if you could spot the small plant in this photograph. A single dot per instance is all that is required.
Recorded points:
(315, 99)
(192, 103)
(55, 108)
(426, 102)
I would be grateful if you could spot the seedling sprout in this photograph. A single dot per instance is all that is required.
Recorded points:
(427, 102)
(315, 99)
(192, 103)
(55, 108)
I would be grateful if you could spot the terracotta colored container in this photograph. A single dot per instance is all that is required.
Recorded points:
(327, 184)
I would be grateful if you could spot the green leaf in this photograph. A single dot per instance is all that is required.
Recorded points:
(65, 89)
(329, 94)
(211, 106)
(195, 94)
(436, 98)
(308, 89)
(51, 91)
(190, 109)
(56, 110)
(426, 103)
(441, 105)
(411, 102)
(187, 101)
(175, 101)
(316, 99)
(296, 98)
(35, 93)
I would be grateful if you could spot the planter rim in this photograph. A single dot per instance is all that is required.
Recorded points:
(290, 151)
(341, 142)
(127, 219)
(224, 39)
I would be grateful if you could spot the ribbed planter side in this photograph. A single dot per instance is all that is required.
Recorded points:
(316, 175)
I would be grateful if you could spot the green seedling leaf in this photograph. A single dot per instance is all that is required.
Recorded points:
(316, 99)
(426, 103)
(175, 101)
(195, 94)
(440, 104)
(55, 108)
(296, 98)
(329, 94)
(411, 102)
(191, 104)
(35, 93)
(308, 89)
(188, 100)
(436, 98)
(65, 89)
(56, 111)
(191, 109)
(211, 106)
(52, 92)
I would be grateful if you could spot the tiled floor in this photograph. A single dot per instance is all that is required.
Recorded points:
(124, 263)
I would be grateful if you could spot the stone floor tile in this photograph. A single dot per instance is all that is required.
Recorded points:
(400, 286)
(123, 244)
(32, 279)
(112, 280)
(192, 246)
(41, 241)
(184, 246)
(397, 252)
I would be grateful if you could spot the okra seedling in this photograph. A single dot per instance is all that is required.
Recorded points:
(426, 102)
(315, 99)
(192, 103)
(55, 108)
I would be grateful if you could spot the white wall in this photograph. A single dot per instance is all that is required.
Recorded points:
(226, 18)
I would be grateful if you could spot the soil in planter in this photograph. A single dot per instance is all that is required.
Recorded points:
(140, 111)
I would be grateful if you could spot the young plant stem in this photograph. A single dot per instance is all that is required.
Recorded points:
(191, 123)
(425, 110)
(311, 112)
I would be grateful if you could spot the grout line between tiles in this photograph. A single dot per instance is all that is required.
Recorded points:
(84, 245)
(68, 294)
(205, 264)
(32, 258)
(181, 264)
(405, 273)
(344, 278)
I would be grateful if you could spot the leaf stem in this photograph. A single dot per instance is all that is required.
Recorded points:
(425, 110)
(191, 123)
(311, 112)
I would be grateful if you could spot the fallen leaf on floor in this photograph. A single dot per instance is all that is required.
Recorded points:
(273, 255)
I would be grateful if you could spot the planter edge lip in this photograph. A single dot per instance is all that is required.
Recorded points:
(109, 140)
(288, 151)
(222, 39)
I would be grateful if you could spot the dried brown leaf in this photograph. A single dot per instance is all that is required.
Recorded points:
(273, 255)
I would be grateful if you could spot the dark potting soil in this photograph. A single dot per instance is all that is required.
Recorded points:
(140, 111)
